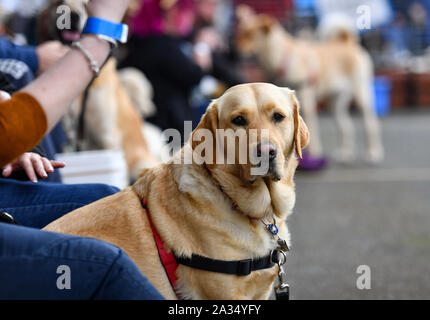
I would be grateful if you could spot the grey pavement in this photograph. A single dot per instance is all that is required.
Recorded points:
(379, 216)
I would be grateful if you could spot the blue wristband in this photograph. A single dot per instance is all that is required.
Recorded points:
(105, 28)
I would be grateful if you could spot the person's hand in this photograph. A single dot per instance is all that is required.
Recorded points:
(112, 10)
(4, 96)
(49, 53)
(34, 165)
(210, 36)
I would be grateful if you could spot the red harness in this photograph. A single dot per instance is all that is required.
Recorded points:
(235, 267)
(167, 258)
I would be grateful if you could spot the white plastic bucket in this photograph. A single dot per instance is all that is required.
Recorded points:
(101, 166)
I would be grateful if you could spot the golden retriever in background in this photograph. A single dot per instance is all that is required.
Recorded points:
(111, 120)
(115, 101)
(337, 68)
(209, 209)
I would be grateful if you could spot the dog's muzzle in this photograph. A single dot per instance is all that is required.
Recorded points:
(268, 153)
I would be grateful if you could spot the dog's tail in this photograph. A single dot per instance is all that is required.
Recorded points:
(139, 89)
(338, 27)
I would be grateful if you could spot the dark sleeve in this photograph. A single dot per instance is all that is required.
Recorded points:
(225, 71)
(177, 67)
(26, 54)
(23, 124)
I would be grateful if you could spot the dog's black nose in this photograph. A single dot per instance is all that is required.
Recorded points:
(268, 149)
(75, 21)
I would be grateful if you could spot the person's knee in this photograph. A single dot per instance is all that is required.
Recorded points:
(89, 193)
(46, 265)
(124, 281)
(105, 190)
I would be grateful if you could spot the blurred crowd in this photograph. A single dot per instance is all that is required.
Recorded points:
(182, 47)
(180, 55)
(186, 47)
(406, 37)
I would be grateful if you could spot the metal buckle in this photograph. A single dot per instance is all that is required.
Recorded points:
(7, 218)
(276, 259)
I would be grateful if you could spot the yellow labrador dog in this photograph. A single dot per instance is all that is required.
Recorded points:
(338, 69)
(210, 209)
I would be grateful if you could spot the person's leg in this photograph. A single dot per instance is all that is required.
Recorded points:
(37, 204)
(37, 264)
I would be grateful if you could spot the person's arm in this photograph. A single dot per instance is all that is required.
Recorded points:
(35, 109)
(49, 53)
(56, 88)
(38, 59)
(22, 125)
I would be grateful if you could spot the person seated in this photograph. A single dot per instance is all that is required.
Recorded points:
(18, 67)
(157, 48)
(42, 265)
(42, 203)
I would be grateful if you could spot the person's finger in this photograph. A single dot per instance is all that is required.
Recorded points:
(47, 164)
(57, 164)
(38, 166)
(4, 96)
(27, 165)
(7, 170)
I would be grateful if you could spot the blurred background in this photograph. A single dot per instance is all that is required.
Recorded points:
(347, 214)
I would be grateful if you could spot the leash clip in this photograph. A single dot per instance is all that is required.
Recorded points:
(282, 290)
(280, 258)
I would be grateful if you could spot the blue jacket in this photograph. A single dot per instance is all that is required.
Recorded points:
(18, 64)
(26, 54)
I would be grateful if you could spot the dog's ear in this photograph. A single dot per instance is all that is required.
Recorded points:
(209, 121)
(301, 131)
(266, 23)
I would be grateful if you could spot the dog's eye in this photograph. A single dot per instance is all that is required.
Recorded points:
(239, 121)
(277, 117)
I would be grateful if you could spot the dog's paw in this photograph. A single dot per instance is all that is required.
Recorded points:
(374, 156)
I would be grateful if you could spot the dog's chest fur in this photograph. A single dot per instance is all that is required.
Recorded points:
(193, 215)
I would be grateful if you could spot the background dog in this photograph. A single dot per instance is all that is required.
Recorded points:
(337, 68)
(112, 102)
(212, 209)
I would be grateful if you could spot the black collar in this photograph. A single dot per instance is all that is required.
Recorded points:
(237, 267)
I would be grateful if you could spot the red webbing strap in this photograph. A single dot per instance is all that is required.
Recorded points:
(167, 258)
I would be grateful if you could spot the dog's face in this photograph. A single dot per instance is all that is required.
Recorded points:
(262, 122)
(55, 14)
(60, 13)
(78, 17)
(252, 31)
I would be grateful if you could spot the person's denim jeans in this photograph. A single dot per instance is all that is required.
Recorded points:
(37, 264)
(37, 204)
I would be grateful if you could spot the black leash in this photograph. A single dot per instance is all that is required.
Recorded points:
(282, 290)
(81, 120)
